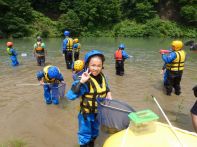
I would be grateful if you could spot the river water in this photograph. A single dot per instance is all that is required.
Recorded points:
(25, 116)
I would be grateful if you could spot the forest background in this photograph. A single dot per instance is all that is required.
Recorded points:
(112, 18)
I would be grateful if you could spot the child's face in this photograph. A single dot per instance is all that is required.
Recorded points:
(95, 65)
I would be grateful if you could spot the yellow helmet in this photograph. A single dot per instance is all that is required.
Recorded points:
(76, 40)
(177, 45)
(78, 65)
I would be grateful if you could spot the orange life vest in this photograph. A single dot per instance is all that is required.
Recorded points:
(39, 47)
(118, 54)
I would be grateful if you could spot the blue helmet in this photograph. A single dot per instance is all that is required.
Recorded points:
(121, 46)
(66, 33)
(53, 72)
(93, 53)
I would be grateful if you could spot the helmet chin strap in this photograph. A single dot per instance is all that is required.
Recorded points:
(48, 76)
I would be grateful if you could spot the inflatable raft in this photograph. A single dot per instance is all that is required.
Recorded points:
(162, 136)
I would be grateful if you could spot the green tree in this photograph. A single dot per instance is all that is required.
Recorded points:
(65, 5)
(94, 13)
(189, 14)
(15, 21)
(140, 10)
(69, 21)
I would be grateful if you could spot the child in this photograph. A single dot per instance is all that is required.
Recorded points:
(194, 110)
(163, 71)
(78, 69)
(120, 55)
(50, 77)
(76, 48)
(13, 54)
(91, 86)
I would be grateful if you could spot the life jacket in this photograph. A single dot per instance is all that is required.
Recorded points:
(46, 77)
(78, 47)
(69, 45)
(39, 48)
(88, 103)
(118, 54)
(178, 63)
(9, 51)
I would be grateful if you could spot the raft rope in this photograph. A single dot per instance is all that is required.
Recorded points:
(171, 127)
(124, 137)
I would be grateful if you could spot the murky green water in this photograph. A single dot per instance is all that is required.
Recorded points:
(144, 51)
(26, 116)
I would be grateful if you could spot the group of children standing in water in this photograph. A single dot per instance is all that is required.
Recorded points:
(90, 82)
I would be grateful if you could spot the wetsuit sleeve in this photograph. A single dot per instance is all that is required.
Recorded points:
(107, 85)
(107, 90)
(164, 67)
(14, 52)
(194, 109)
(169, 58)
(124, 54)
(79, 46)
(65, 41)
(77, 90)
(40, 75)
(75, 46)
(43, 45)
(60, 78)
(35, 45)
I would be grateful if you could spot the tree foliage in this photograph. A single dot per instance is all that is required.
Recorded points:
(189, 14)
(16, 18)
(137, 18)
(140, 10)
(69, 21)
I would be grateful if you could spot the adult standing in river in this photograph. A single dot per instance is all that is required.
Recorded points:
(67, 49)
(120, 56)
(40, 51)
(174, 67)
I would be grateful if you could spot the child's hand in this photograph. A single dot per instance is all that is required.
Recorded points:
(85, 76)
(41, 82)
(108, 96)
(162, 72)
(63, 82)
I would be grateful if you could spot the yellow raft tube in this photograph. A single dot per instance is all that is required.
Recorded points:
(162, 136)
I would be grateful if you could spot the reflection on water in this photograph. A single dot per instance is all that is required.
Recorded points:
(57, 125)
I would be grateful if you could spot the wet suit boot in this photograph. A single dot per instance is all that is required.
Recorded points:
(91, 144)
(85, 145)
(177, 92)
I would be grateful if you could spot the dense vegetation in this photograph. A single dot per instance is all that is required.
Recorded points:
(129, 18)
